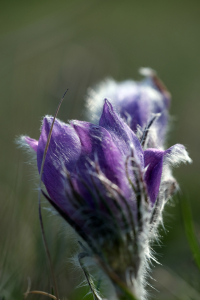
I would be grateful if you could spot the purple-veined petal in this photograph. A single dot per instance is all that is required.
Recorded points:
(153, 158)
(97, 146)
(121, 134)
(63, 152)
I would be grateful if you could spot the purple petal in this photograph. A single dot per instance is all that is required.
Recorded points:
(63, 152)
(153, 158)
(31, 142)
(121, 134)
(97, 146)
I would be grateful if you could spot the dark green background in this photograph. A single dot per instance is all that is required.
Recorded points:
(48, 46)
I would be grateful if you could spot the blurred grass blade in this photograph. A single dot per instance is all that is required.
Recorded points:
(41, 293)
(190, 231)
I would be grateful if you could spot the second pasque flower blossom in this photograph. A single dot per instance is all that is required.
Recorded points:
(136, 102)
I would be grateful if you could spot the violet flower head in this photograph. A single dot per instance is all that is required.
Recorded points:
(136, 102)
(108, 188)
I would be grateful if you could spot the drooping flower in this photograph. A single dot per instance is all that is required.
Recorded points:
(107, 187)
(136, 102)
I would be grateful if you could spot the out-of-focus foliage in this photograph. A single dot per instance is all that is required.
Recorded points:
(48, 46)
(190, 232)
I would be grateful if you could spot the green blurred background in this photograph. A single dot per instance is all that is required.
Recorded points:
(49, 46)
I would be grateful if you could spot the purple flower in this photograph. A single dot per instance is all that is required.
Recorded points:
(99, 178)
(136, 102)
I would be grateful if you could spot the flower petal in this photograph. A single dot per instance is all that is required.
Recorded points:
(153, 158)
(97, 146)
(31, 142)
(121, 134)
(63, 152)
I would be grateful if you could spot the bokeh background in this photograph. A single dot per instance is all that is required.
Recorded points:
(49, 46)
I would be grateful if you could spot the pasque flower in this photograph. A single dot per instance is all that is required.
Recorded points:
(136, 102)
(111, 190)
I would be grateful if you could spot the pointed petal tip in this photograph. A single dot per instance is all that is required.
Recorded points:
(108, 107)
(58, 126)
(76, 124)
(47, 119)
(27, 142)
(106, 100)
(107, 103)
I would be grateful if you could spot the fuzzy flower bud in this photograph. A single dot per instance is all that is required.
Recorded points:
(136, 102)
